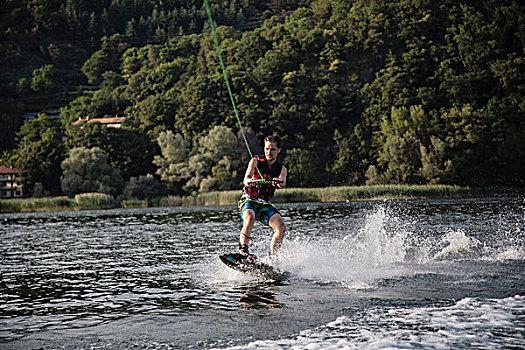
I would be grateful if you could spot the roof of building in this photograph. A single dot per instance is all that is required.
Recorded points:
(6, 170)
(111, 120)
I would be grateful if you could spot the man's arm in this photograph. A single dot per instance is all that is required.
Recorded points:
(282, 177)
(249, 172)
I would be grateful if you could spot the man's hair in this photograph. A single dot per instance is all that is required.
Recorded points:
(274, 139)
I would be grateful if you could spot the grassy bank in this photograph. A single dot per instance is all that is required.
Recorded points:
(342, 193)
(83, 201)
(328, 194)
(287, 195)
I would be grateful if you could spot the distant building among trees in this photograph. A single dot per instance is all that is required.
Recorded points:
(10, 184)
(115, 122)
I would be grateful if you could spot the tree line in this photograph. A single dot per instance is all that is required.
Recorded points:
(360, 92)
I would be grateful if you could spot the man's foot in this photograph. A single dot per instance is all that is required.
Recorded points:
(243, 249)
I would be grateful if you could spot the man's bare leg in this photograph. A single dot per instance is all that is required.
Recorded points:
(248, 217)
(276, 222)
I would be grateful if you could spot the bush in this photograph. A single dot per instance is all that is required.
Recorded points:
(143, 187)
(87, 170)
(36, 204)
(95, 201)
(134, 203)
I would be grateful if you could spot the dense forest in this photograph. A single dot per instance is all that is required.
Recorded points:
(411, 91)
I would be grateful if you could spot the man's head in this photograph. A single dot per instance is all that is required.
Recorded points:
(272, 147)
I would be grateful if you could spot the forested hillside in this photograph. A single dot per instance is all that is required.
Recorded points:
(359, 91)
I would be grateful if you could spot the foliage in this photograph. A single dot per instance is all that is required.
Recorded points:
(143, 187)
(95, 200)
(335, 193)
(219, 149)
(60, 203)
(134, 203)
(39, 154)
(173, 161)
(129, 151)
(87, 170)
(37, 204)
(215, 164)
(44, 79)
(306, 170)
(380, 92)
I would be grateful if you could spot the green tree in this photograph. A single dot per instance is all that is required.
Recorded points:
(472, 41)
(173, 162)
(79, 108)
(154, 114)
(106, 59)
(23, 86)
(98, 64)
(409, 152)
(199, 169)
(346, 166)
(87, 170)
(133, 60)
(435, 166)
(39, 152)
(202, 102)
(305, 169)
(45, 80)
(468, 136)
(143, 187)
(218, 149)
(129, 151)
(213, 165)
(446, 77)
(400, 154)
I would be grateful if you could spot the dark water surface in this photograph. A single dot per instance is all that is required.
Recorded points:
(388, 274)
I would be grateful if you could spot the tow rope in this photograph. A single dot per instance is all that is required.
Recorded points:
(214, 34)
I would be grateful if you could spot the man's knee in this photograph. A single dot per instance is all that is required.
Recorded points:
(281, 227)
(248, 216)
(278, 224)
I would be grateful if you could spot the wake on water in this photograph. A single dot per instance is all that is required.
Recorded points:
(389, 246)
(386, 246)
(469, 323)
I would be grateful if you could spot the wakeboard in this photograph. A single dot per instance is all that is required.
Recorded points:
(252, 267)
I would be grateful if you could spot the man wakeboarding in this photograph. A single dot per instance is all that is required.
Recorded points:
(263, 175)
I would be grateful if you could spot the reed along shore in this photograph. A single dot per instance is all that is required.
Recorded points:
(93, 201)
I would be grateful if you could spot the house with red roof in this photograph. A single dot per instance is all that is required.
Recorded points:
(10, 185)
(113, 122)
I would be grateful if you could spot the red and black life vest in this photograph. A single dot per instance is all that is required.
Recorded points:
(268, 172)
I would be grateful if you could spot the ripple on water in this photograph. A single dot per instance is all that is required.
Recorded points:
(77, 270)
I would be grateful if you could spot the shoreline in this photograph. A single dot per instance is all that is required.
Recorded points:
(99, 201)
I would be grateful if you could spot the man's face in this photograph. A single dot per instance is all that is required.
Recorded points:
(271, 151)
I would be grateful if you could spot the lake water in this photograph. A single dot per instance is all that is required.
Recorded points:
(365, 275)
